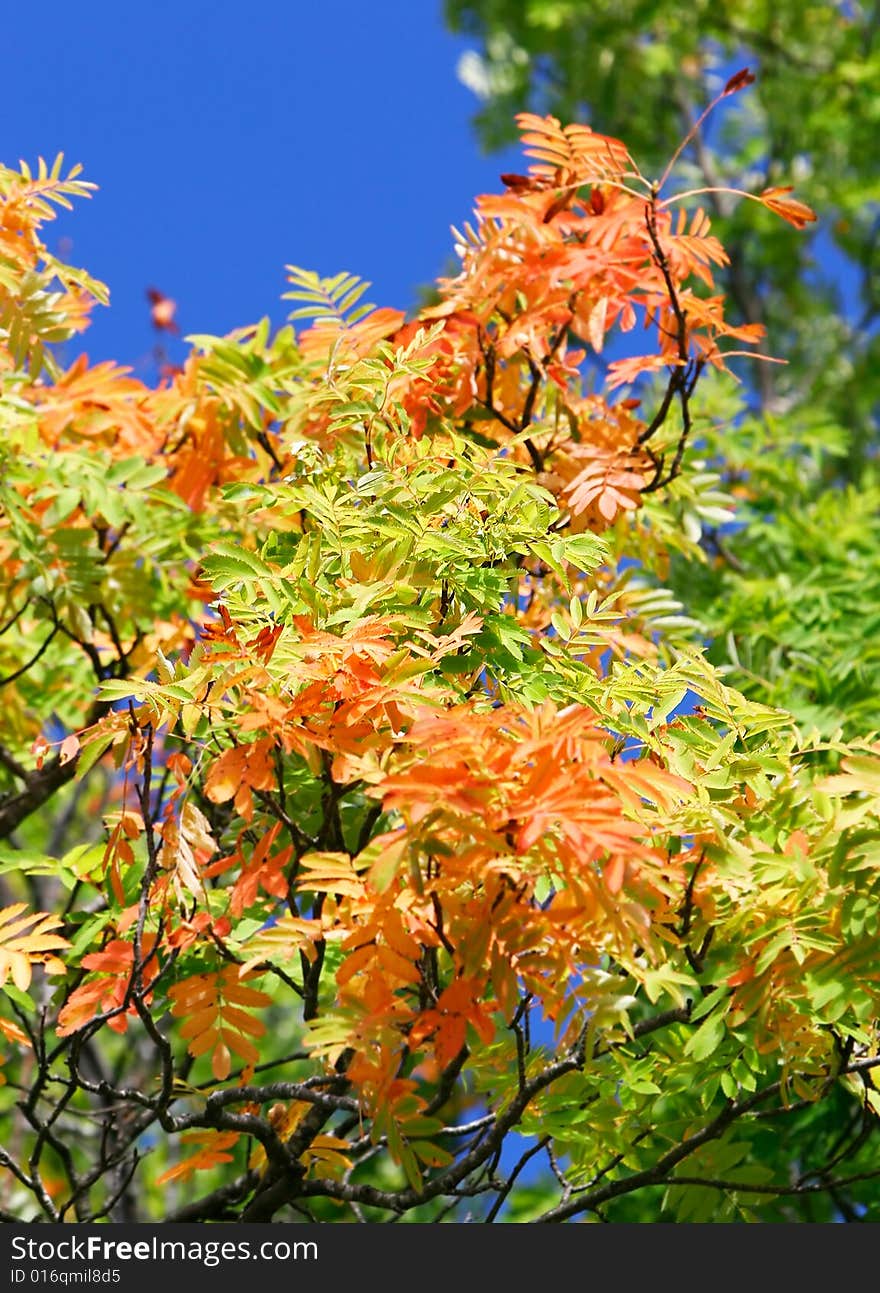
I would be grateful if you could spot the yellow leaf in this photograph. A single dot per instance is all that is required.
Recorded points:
(20, 950)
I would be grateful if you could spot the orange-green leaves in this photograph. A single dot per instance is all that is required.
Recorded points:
(340, 323)
(439, 921)
(34, 314)
(401, 723)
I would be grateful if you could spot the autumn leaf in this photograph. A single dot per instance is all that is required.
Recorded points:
(114, 970)
(569, 153)
(187, 847)
(239, 771)
(795, 212)
(12, 1032)
(417, 655)
(213, 1009)
(28, 940)
(739, 81)
(622, 372)
(860, 773)
(212, 1148)
(282, 942)
(606, 486)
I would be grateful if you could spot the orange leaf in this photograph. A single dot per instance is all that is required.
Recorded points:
(212, 1151)
(795, 212)
(209, 1005)
(613, 874)
(221, 1062)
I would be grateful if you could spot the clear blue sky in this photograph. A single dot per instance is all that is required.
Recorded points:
(229, 139)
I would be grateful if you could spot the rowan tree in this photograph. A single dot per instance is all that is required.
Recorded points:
(412, 818)
(800, 439)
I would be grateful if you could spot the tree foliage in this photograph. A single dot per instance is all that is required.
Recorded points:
(798, 446)
(348, 651)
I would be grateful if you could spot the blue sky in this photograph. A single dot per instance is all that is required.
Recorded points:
(229, 139)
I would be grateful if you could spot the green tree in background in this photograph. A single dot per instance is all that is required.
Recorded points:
(798, 449)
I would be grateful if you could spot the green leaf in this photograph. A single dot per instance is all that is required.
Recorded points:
(707, 1039)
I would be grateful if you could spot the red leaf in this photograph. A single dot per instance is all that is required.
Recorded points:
(738, 81)
(163, 311)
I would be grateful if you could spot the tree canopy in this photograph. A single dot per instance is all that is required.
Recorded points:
(380, 824)
(800, 442)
